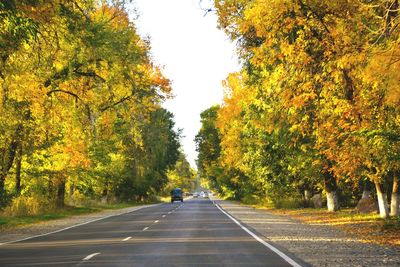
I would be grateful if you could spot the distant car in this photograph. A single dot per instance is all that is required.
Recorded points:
(195, 195)
(176, 195)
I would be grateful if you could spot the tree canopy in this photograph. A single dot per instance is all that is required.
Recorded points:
(80, 107)
(316, 104)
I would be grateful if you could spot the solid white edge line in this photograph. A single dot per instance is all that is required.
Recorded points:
(126, 239)
(88, 257)
(274, 249)
(76, 225)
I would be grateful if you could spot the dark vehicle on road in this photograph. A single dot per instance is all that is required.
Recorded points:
(176, 195)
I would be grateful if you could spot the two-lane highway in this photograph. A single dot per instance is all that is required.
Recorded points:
(193, 233)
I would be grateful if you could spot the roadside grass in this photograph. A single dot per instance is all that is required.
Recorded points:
(165, 199)
(67, 211)
(14, 221)
(368, 228)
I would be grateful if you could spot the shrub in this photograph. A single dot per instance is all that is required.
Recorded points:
(251, 199)
(28, 205)
(287, 203)
(5, 199)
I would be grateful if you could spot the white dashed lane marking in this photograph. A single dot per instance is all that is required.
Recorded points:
(144, 229)
(88, 257)
(156, 221)
(126, 239)
(164, 216)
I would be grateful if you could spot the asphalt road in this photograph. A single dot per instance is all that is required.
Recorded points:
(193, 233)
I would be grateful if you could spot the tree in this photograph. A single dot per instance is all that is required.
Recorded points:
(310, 68)
(182, 175)
(78, 91)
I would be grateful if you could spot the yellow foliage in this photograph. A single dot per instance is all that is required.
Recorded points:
(28, 205)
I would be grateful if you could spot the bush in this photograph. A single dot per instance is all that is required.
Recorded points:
(5, 199)
(288, 203)
(251, 200)
(28, 205)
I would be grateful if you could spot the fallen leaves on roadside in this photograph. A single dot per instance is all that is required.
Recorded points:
(369, 228)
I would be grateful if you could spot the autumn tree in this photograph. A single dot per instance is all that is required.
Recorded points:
(317, 91)
(78, 91)
(181, 175)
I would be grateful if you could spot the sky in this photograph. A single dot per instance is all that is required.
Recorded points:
(194, 54)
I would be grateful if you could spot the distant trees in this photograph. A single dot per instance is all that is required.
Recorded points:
(182, 176)
(208, 146)
(315, 106)
(80, 113)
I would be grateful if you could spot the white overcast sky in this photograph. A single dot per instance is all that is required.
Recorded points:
(196, 56)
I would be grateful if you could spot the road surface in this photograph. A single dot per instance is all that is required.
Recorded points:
(193, 233)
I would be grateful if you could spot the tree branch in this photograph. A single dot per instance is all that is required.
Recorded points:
(49, 93)
(89, 74)
(123, 99)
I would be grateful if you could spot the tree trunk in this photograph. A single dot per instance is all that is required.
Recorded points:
(394, 203)
(8, 155)
(104, 196)
(2, 187)
(382, 201)
(104, 193)
(331, 194)
(332, 201)
(60, 202)
(307, 194)
(18, 158)
(367, 189)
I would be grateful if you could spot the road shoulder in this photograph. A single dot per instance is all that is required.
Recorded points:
(43, 228)
(316, 244)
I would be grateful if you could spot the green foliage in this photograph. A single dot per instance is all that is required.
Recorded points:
(28, 205)
(315, 106)
(157, 153)
(12, 221)
(181, 176)
(80, 107)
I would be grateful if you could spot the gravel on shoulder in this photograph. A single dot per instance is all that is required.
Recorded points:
(318, 245)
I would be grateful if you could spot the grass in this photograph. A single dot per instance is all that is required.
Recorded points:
(165, 199)
(370, 228)
(67, 211)
(14, 221)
